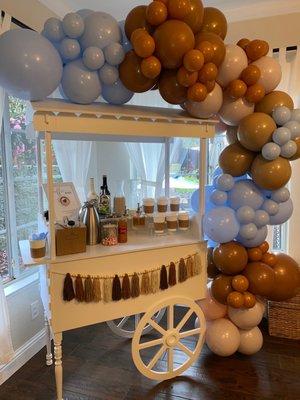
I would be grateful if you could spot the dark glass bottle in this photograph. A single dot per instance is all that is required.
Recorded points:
(104, 198)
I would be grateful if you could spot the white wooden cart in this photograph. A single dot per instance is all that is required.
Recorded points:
(126, 123)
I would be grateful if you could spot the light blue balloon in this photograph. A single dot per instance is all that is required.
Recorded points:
(80, 84)
(53, 30)
(282, 135)
(101, 29)
(69, 49)
(225, 182)
(125, 41)
(281, 115)
(260, 237)
(84, 12)
(116, 93)
(294, 127)
(114, 54)
(270, 206)
(30, 66)
(218, 171)
(73, 25)
(284, 213)
(295, 115)
(220, 224)
(245, 193)
(245, 214)
(271, 151)
(281, 195)
(261, 218)
(248, 231)
(289, 149)
(108, 74)
(195, 199)
(93, 58)
(218, 197)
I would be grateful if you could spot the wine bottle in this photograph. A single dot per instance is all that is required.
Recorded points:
(104, 198)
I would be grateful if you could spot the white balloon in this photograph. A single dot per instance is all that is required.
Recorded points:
(222, 337)
(210, 106)
(251, 341)
(246, 318)
(234, 63)
(270, 72)
(233, 111)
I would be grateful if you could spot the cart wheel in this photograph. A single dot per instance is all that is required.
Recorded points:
(125, 327)
(180, 356)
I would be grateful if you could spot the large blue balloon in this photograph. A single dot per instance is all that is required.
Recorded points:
(257, 240)
(101, 30)
(285, 211)
(245, 193)
(220, 224)
(116, 93)
(80, 84)
(30, 66)
(195, 199)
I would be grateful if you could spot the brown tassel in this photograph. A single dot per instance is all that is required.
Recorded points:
(79, 291)
(145, 284)
(126, 287)
(172, 274)
(68, 292)
(96, 289)
(182, 271)
(163, 278)
(189, 267)
(107, 290)
(135, 285)
(154, 280)
(116, 289)
(88, 290)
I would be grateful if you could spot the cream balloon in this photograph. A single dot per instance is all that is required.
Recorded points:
(222, 337)
(211, 308)
(234, 63)
(251, 341)
(246, 318)
(208, 107)
(270, 72)
(233, 111)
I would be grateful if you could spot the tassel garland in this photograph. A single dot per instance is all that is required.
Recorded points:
(79, 291)
(116, 289)
(68, 292)
(88, 290)
(172, 274)
(163, 278)
(126, 287)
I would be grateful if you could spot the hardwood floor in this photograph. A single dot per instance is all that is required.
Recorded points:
(98, 366)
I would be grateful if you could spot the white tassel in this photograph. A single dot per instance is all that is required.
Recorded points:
(107, 290)
(197, 264)
(154, 279)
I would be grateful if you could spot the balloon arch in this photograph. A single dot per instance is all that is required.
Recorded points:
(177, 47)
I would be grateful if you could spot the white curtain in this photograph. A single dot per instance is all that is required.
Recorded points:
(6, 347)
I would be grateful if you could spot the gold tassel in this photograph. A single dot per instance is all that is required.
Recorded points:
(135, 285)
(189, 267)
(88, 290)
(79, 291)
(96, 289)
(172, 274)
(182, 271)
(197, 264)
(154, 281)
(107, 290)
(145, 284)
(126, 287)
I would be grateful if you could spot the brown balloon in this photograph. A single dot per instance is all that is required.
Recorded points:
(207, 50)
(169, 88)
(255, 93)
(261, 278)
(214, 21)
(269, 259)
(240, 283)
(235, 299)
(131, 74)
(136, 19)
(264, 247)
(193, 60)
(257, 49)
(151, 67)
(208, 73)
(210, 85)
(194, 18)
(297, 154)
(212, 270)
(251, 75)
(221, 287)
(271, 175)
(173, 39)
(218, 45)
(143, 44)
(255, 254)
(236, 160)
(230, 258)
(272, 100)
(197, 92)
(243, 43)
(186, 78)
(231, 134)
(256, 130)
(179, 9)
(237, 89)
(249, 300)
(287, 278)
(156, 13)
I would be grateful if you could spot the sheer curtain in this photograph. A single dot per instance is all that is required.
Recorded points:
(6, 347)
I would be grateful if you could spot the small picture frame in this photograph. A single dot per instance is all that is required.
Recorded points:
(66, 201)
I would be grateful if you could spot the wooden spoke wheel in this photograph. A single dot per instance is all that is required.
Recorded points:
(125, 327)
(169, 347)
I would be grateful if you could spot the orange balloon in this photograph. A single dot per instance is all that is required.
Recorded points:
(179, 9)
(214, 21)
(235, 300)
(208, 72)
(297, 154)
(243, 43)
(212, 270)
(249, 300)
(240, 283)
(173, 39)
(264, 247)
(251, 75)
(207, 50)
(236, 160)
(255, 93)
(274, 99)
(210, 85)
(255, 254)
(143, 44)
(194, 18)
(151, 67)
(257, 49)
(218, 45)
(230, 258)
(170, 89)
(221, 287)
(236, 89)
(156, 13)
(261, 278)
(136, 19)
(269, 259)
(197, 92)
(137, 33)
(165, 2)
(193, 60)
(186, 78)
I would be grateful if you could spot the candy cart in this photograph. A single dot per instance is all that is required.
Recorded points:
(142, 259)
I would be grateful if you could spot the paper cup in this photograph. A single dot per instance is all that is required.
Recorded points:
(37, 248)
(172, 222)
(174, 203)
(183, 221)
(159, 223)
(148, 205)
(162, 204)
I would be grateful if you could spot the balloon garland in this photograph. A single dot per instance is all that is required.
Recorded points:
(177, 47)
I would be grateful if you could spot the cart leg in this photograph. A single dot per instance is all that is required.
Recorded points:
(49, 360)
(58, 365)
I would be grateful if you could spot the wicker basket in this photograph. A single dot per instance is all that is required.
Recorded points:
(284, 318)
